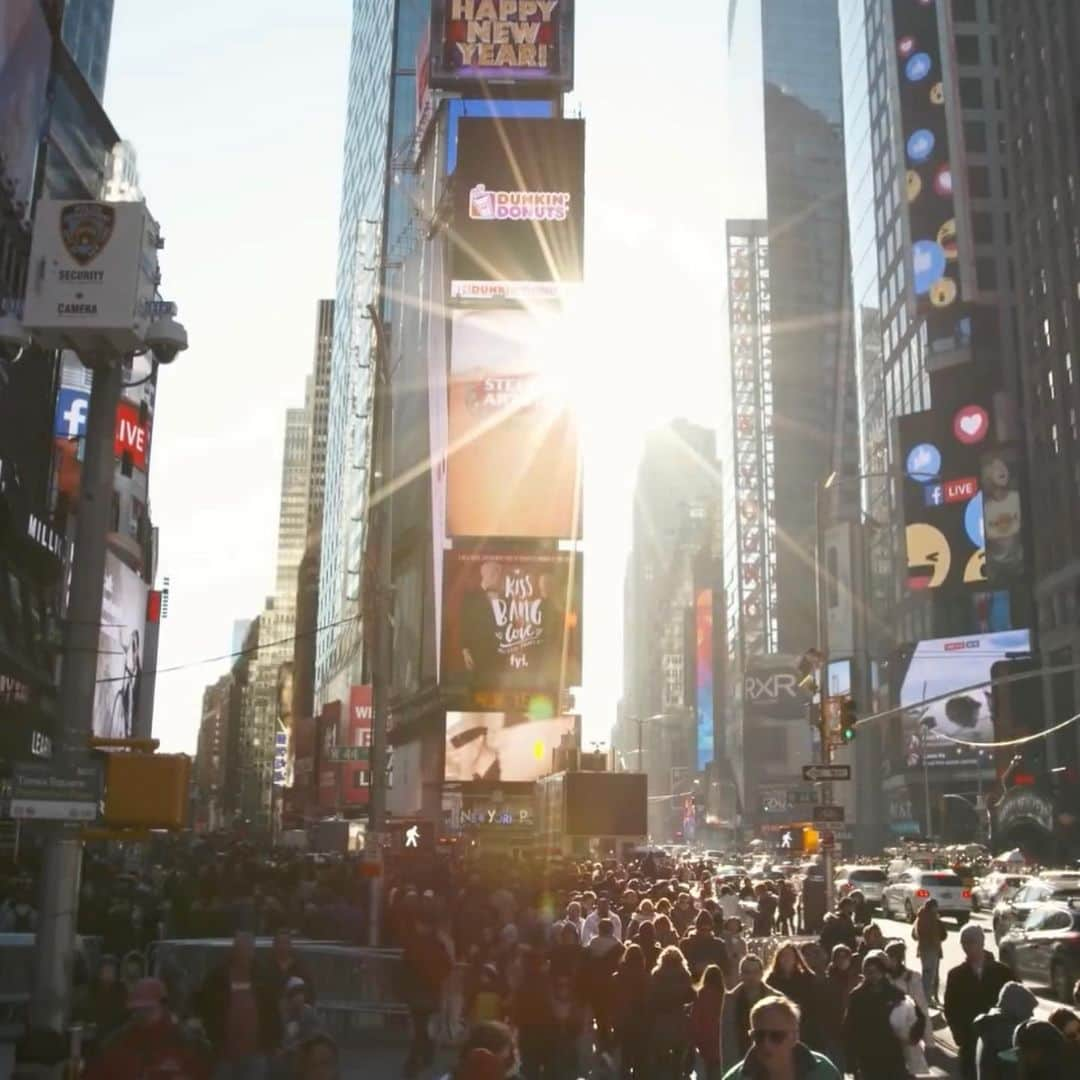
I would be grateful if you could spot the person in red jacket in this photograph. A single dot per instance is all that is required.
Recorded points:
(152, 1046)
(705, 1019)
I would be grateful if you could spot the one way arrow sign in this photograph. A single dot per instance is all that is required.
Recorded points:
(814, 774)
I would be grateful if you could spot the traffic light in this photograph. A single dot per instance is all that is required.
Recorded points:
(847, 720)
(811, 840)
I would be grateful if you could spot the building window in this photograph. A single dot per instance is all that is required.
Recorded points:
(1055, 443)
(986, 273)
(979, 182)
(971, 95)
(967, 49)
(983, 228)
(1050, 385)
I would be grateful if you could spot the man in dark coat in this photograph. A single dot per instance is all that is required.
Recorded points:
(239, 1012)
(284, 965)
(701, 948)
(873, 1050)
(971, 989)
(839, 929)
(425, 966)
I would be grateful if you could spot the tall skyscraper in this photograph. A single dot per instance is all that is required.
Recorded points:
(1041, 83)
(675, 548)
(788, 411)
(268, 706)
(86, 30)
(379, 119)
(317, 406)
(900, 370)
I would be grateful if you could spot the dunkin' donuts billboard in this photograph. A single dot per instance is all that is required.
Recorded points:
(513, 468)
(518, 207)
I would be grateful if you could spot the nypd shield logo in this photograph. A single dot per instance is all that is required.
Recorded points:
(85, 229)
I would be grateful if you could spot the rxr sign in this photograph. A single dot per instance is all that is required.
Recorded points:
(771, 689)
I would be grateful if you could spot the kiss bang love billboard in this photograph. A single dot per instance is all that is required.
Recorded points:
(511, 620)
(519, 215)
(502, 41)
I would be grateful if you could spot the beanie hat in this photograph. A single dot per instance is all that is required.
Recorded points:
(1017, 1000)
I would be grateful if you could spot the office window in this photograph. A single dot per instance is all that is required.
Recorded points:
(975, 136)
(979, 182)
(983, 228)
(986, 273)
(967, 49)
(971, 95)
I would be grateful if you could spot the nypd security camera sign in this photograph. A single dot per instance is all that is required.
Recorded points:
(93, 271)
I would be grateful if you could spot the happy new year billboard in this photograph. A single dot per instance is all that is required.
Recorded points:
(528, 42)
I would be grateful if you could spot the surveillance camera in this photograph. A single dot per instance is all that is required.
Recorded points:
(13, 337)
(165, 338)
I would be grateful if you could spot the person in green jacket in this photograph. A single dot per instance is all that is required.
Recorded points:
(776, 1053)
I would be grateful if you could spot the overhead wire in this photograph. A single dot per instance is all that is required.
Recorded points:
(235, 655)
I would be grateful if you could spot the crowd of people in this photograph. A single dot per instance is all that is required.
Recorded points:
(647, 971)
(544, 970)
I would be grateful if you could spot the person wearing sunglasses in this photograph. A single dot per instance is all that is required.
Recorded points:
(775, 1050)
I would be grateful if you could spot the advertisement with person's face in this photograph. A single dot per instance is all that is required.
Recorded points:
(25, 52)
(519, 205)
(120, 651)
(941, 665)
(514, 463)
(501, 747)
(511, 620)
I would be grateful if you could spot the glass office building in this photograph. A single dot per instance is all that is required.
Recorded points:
(86, 30)
(788, 418)
(374, 227)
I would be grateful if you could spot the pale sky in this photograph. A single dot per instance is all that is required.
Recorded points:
(237, 113)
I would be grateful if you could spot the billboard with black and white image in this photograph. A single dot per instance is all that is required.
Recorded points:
(492, 748)
(120, 650)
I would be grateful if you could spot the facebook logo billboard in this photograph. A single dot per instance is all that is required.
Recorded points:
(72, 407)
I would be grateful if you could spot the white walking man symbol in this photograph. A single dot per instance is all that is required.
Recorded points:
(785, 840)
(412, 836)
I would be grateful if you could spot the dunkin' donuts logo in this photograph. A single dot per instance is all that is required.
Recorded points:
(487, 205)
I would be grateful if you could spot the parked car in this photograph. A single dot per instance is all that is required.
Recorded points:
(869, 880)
(995, 887)
(1046, 949)
(908, 892)
(1051, 885)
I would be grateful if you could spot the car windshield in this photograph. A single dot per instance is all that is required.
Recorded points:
(941, 879)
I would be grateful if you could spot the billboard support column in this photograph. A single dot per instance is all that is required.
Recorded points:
(821, 492)
(377, 598)
(50, 1003)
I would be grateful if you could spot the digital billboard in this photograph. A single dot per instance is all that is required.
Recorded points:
(943, 665)
(120, 651)
(511, 620)
(514, 461)
(932, 211)
(518, 207)
(25, 54)
(530, 42)
(703, 625)
(501, 747)
(771, 688)
(356, 774)
(963, 505)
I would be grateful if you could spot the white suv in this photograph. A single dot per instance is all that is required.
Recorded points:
(869, 880)
(912, 888)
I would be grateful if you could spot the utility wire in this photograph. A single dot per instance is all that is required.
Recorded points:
(1004, 680)
(1010, 742)
(234, 655)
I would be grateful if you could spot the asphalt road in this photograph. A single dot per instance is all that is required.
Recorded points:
(954, 955)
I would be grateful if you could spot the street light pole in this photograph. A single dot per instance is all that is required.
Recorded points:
(50, 1003)
(820, 495)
